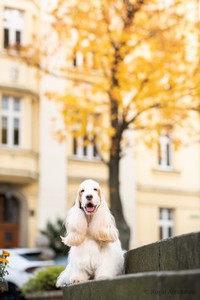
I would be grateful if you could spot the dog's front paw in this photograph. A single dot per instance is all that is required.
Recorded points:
(78, 279)
(61, 282)
(63, 278)
(75, 281)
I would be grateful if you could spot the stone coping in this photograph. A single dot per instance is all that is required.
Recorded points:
(179, 285)
(176, 253)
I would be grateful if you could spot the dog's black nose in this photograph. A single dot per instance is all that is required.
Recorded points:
(89, 197)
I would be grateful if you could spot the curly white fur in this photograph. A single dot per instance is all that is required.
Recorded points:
(96, 251)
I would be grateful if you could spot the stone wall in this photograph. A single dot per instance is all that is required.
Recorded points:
(168, 269)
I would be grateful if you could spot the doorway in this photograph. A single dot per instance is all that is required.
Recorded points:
(9, 221)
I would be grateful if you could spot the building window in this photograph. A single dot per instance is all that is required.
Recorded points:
(166, 223)
(83, 148)
(11, 108)
(78, 59)
(13, 26)
(165, 151)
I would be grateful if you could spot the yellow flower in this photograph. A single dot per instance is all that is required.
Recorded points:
(5, 253)
(3, 260)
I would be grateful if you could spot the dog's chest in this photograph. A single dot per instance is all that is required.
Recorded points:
(89, 254)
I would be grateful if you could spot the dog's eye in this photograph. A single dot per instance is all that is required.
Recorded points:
(82, 191)
(95, 190)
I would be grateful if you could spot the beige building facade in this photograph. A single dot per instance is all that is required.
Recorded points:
(32, 163)
(19, 134)
(168, 181)
(39, 176)
(167, 191)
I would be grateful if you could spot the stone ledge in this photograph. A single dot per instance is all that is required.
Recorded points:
(180, 285)
(176, 253)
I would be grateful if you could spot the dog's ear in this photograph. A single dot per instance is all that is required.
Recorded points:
(102, 226)
(76, 225)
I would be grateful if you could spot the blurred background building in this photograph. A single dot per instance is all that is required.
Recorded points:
(19, 134)
(39, 176)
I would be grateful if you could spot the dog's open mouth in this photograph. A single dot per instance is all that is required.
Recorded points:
(90, 208)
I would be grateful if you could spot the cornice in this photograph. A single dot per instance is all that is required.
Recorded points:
(19, 90)
(35, 2)
(166, 190)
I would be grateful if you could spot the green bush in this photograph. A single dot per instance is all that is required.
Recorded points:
(44, 280)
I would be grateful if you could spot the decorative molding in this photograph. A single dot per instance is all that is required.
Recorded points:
(166, 190)
(19, 90)
(17, 175)
(18, 152)
(172, 171)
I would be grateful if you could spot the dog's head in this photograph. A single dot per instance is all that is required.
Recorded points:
(89, 196)
(90, 202)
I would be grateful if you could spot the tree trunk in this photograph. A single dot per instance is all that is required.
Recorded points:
(115, 200)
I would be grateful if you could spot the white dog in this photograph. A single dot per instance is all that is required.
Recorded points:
(96, 251)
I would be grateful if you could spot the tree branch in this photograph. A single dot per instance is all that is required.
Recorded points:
(156, 105)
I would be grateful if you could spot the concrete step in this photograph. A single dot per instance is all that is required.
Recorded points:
(176, 253)
(176, 285)
(168, 269)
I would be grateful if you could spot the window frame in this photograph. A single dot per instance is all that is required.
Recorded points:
(12, 113)
(166, 222)
(13, 27)
(83, 151)
(165, 151)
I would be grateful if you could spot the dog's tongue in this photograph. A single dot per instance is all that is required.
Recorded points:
(90, 209)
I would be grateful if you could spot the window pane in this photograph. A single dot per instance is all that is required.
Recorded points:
(168, 155)
(79, 59)
(75, 146)
(6, 38)
(1, 208)
(16, 137)
(18, 37)
(170, 214)
(11, 210)
(4, 131)
(95, 152)
(8, 236)
(16, 105)
(16, 132)
(74, 61)
(85, 146)
(159, 155)
(161, 213)
(169, 231)
(5, 103)
(164, 150)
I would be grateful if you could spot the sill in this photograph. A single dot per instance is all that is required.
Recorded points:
(10, 147)
(17, 151)
(169, 170)
(6, 51)
(81, 69)
(85, 158)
